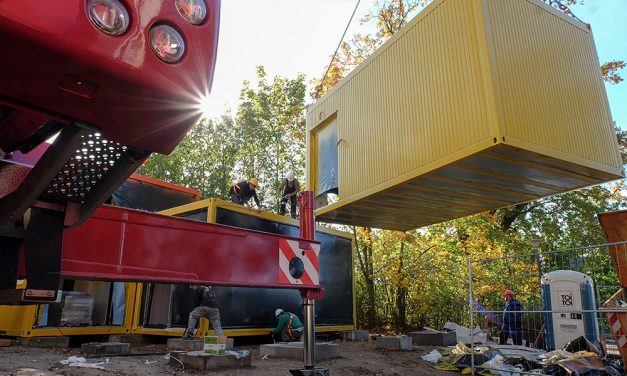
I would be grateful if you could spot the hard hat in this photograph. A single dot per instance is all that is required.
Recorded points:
(254, 182)
(278, 312)
(290, 176)
(508, 292)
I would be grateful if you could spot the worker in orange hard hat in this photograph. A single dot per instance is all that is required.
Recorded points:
(512, 320)
(242, 191)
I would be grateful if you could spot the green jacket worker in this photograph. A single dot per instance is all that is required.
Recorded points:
(289, 328)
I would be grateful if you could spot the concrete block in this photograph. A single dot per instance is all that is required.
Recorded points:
(44, 341)
(202, 361)
(108, 348)
(356, 335)
(430, 338)
(181, 344)
(126, 338)
(294, 350)
(394, 343)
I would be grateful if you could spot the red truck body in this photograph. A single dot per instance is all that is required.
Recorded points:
(57, 65)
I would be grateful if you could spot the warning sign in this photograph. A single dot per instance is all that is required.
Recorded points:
(298, 263)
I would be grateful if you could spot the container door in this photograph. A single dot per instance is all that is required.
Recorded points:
(327, 159)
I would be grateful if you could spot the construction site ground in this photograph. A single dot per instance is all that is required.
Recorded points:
(356, 358)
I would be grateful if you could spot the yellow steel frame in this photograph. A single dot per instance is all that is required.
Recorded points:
(21, 321)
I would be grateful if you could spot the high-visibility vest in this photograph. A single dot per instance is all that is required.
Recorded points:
(289, 327)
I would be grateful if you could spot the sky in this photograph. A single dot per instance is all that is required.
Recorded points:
(289, 37)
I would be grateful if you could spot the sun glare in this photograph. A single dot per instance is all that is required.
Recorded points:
(206, 107)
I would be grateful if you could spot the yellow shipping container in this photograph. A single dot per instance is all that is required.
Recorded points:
(45, 320)
(472, 106)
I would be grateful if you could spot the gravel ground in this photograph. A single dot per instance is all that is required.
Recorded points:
(356, 358)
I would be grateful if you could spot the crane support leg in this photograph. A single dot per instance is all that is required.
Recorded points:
(43, 241)
(307, 232)
(9, 254)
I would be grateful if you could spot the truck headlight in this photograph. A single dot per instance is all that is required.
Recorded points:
(167, 43)
(193, 11)
(109, 16)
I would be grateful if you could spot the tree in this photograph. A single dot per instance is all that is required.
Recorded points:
(271, 132)
(365, 266)
(204, 159)
(390, 264)
(389, 16)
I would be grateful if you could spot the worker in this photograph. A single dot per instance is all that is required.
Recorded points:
(206, 304)
(289, 328)
(512, 319)
(289, 188)
(242, 191)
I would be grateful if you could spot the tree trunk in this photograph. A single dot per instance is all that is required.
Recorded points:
(401, 292)
(366, 269)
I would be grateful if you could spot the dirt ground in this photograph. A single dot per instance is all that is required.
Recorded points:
(356, 358)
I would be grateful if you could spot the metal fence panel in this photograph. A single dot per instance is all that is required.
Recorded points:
(565, 294)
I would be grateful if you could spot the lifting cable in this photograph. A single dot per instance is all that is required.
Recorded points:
(336, 49)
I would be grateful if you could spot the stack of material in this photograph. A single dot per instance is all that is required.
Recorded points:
(579, 357)
(77, 308)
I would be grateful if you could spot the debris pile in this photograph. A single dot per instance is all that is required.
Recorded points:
(578, 357)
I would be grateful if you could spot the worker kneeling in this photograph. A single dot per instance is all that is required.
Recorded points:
(289, 328)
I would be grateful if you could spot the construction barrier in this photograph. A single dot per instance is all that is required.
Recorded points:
(617, 318)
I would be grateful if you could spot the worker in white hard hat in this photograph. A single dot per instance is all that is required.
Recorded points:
(288, 189)
(289, 328)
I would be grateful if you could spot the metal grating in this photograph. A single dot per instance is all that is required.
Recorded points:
(86, 169)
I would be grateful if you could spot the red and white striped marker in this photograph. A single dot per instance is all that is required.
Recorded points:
(308, 254)
(621, 340)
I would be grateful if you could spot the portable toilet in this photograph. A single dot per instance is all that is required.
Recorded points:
(569, 305)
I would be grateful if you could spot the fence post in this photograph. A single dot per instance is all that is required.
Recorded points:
(472, 332)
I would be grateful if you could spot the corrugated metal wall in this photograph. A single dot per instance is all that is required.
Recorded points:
(417, 99)
(551, 91)
(474, 105)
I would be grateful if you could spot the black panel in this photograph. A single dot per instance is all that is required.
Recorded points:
(9, 254)
(242, 307)
(139, 195)
(245, 307)
(196, 215)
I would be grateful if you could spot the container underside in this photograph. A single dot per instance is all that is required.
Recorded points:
(497, 177)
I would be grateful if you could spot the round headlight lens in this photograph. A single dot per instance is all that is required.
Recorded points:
(109, 16)
(167, 43)
(193, 11)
